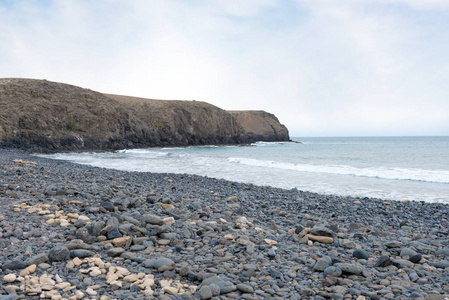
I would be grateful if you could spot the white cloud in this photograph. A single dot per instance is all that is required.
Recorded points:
(323, 67)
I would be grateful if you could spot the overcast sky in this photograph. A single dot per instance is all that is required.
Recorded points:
(323, 67)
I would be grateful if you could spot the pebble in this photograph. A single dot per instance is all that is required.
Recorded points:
(116, 251)
(59, 253)
(81, 253)
(9, 278)
(360, 254)
(351, 268)
(383, 261)
(244, 288)
(14, 265)
(205, 292)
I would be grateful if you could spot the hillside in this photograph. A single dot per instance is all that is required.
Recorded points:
(40, 115)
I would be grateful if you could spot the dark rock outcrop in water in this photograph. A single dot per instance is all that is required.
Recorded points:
(40, 115)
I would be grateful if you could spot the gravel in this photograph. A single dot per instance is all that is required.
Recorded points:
(70, 231)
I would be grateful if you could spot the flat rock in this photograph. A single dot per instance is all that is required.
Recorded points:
(393, 244)
(441, 264)
(14, 265)
(320, 238)
(350, 268)
(245, 288)
(116, 251)
(322, 231)
(158, 263)
(81, 253)
(153, 219)
(444, 252)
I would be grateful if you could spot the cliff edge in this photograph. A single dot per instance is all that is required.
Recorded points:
(261, 126)
(40, 115)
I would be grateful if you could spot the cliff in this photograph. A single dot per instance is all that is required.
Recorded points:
(40, 115)
(261, 126)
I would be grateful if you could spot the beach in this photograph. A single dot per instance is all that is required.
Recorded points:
(81, 232)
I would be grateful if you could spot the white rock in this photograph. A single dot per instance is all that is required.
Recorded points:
(9, 278)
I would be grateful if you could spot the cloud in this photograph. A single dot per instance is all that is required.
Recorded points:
(323, 67)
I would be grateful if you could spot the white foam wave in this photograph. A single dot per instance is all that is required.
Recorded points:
(267, 144)
(415, 174)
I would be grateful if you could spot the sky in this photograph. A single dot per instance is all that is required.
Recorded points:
(323, 67)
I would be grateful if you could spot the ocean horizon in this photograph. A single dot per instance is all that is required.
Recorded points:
(390, 168)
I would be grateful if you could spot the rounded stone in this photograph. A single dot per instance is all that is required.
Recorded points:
(81, 253)
(415, 258)
(59, 253)
(360, 254)
(245, 288)
(14, 265)
(9, 278)
(383, 261)
(205, 292)
(215, 289)
(332, 271)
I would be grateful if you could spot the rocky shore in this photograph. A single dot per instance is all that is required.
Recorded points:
(69, 231)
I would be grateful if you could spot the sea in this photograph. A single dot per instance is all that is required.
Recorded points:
(388, 168)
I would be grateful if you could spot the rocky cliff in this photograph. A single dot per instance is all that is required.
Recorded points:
(40, 115)
(261, 126)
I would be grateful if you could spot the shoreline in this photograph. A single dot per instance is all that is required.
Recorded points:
(199, 236)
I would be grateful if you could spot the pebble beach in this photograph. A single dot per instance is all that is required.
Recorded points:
(71, 231)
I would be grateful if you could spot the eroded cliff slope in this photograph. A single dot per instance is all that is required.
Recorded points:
(261, 126)
(41, 115)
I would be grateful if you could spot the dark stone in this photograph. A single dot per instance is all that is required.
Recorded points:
(360, 254)
(37, 259)
(135, 288)
(59, 253)
(83, 234)
(383, 262)
(298, 229)
(108, 205)
(14, 265)
(415, 258)
(94, 228)
(80, 223)
(81, 253)
(114, 233)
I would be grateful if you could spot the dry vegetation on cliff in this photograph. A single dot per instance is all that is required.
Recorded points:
(48, 116)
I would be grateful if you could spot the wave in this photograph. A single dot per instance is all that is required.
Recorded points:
(265, 144)
(414, 174)
(144, 152)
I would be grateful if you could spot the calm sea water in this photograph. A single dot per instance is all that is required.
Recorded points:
(399, 168)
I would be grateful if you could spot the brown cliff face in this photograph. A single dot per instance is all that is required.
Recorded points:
(261, 126)
(40, 115)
